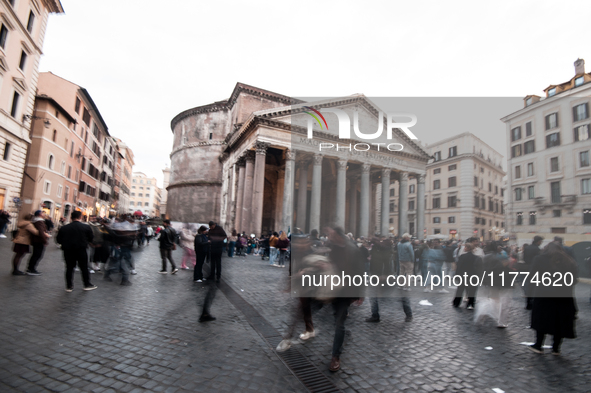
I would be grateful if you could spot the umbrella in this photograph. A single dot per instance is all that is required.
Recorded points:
(138, 213)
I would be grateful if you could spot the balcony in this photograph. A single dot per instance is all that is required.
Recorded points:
(567, 202)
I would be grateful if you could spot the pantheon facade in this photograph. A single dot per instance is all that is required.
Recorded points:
(261, 161)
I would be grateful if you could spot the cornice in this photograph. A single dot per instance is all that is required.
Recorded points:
(190, 183)
(197, 144)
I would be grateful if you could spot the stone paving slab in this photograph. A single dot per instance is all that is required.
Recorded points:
(143, 338)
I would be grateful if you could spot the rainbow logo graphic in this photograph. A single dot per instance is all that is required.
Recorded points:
(316, 117)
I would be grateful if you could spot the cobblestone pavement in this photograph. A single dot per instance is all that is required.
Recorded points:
(146, 338)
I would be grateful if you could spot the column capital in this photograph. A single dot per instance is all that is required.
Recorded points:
(421, 179)
(386, 172)
(249, 156)
(342, 164)
(365, 168)
(241, 161)
(261, 147)
(290, 155)
(404, 176)
(318, 159)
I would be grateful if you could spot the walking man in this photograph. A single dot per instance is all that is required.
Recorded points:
(216, 235)
(166, 239)
(38, 242)
(74, 239)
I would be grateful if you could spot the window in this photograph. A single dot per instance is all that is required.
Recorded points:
(72, 150)
(532, 218)
(140, 195)
(69, 171)
(451, 220)
(59, 190)
(515, 134)
(411, 189)
(584, 158)
(14, 107)
(515, 151)
(552, 140)
(436, 220)
(555, 192)
(497, 208)
(411, 205)
(489, 187)
(579, 81)
(519, 218)
(437, 156)
(529, 147)
(63, 168)
(77, 106)
(451, 182)
(131, 203)
(518, 194)
(141, 188)
(475, 181)
(452, 167)
(491, 205)
(477, 221)
(554, 167)
(392, 207)
(551, 92)
(530, 169)
(3, 36)
(67, 194)
(528, 128)
(6, 154)
(392, 191)
(452, 201)
(436, 171)
(210, 136)
(581, 112)
(453, 151)
(77, 174)
(47, 187)
(482, 203)
(476, 201)
(31, 22)
(518, 172)
(481, 170)
(502, 192)
(552, 121)
(496, 190)
(586, 216)
(86, 117)
(133, 194)
(528, 101)
(436, 203)
(436, 184)
(556, 213)
(23, 61)
(586, 186)
(146, 204)
(50, 161)
(582, 133)
(531, 194)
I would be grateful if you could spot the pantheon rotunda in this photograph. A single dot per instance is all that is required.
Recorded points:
(261, 161)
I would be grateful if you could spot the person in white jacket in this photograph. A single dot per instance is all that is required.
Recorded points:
(187, 243)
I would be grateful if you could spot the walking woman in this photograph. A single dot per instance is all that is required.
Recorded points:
(22, 241)
(187, 243)
(282, 246)
(201, 245)
(554, 307)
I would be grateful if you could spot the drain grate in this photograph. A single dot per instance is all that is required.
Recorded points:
(310, 376)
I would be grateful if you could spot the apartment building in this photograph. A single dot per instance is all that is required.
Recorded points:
(145, 195)
(463, 191)
(22, 31)
(125, 163)
(549, 168)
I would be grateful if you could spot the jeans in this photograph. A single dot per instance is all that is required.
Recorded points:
(272, 255)
(231, 247)
(435, 269)
(166, 253)
(121, 262)
(282, 254)
(341, 308)
(35, 256)
(375, 308)
(73, 257)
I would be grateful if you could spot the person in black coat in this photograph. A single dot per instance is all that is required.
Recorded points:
(469, 264)
(74, 239)
(554, 307)
(216, 236)
(529, 254)
(202, 244)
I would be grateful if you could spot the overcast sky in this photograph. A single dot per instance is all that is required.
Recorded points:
(143, 62)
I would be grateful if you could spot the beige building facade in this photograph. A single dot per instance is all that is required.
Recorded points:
(22, 31)
(145, 195)
(125, 163)
(549, 166)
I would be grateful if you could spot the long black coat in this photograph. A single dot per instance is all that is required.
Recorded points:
(555, 309)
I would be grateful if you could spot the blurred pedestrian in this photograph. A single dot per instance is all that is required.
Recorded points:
(201, 245)
(232, 243)
(282, 246)
(38, 242)
(22, 241)
(167, 239)
(4, 220)
(468, 265)
(187, 244)
(216, 236)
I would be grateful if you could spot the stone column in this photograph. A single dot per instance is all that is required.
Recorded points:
(421, 207)
(316, 191)
(403, 204)
(258, 187)
(247, 200)
(364, 201)
(353, 208)
(385, 230)
(341, 196)
(288, 185)
(302, 196)
(239, 193)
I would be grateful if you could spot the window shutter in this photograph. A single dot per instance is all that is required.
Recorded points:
(575, 113)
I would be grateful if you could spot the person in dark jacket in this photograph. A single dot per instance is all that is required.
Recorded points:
(554, 307)
(216, 235)
(529, 254)
(38, 242)
(201, 252)
(74, 239)
(468, 264)
(166, 239)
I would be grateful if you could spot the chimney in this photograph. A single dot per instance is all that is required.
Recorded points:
(579, 67)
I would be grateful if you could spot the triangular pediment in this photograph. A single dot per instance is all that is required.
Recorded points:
(20, 82)
(3, 64)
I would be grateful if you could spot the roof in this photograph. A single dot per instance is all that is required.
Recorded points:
(57, 105)
(95, 109)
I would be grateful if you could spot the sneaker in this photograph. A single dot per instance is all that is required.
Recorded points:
(76, 269)
(283, 346)
(18, 273)
(198, 280)
(502, 326)
(442, 290)
(206, 318)
(133, 271)
(33, 273)
(91, 271)
(535, 349)
(2, 237)
(174, 271)
(470, 307)
(90, 287)
(372, 319)
(307, 335)
(162, 272)
(69, 290)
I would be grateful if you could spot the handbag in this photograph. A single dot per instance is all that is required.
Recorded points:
(173, 246)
